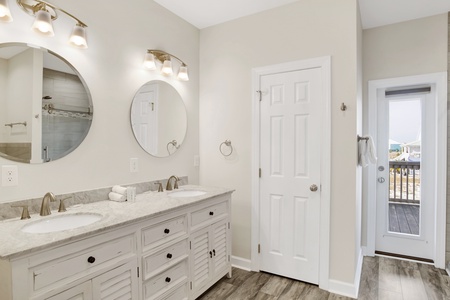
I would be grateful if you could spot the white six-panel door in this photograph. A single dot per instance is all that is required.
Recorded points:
(290, 173)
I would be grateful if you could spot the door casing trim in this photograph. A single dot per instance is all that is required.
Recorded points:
(440, 81)
(324, 63)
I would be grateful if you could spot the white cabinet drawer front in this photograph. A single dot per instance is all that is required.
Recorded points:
(81, 262)
(207, 215)
(166, 280)
(180, 293)
(163, 232)
(157, 262)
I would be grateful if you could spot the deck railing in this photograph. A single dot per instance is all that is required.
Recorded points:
(404, 182)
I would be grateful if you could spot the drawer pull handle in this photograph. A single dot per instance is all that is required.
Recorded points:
(214, 252)
(168, 279)
(169, 255)
(211, 213)
(210, 254)
(166, 231)
(91, 259)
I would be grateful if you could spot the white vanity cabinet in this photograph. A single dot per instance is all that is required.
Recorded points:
(175, 253)
(93, 268)
(186, 252)
(210, 241)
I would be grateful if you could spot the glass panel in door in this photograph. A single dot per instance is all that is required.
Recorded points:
(404, 203)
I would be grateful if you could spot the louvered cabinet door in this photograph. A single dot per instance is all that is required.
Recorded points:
(200, 258)
(220, 259)
(119, 283)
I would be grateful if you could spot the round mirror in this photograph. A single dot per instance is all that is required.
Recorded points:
(158, 118)
(45, 106)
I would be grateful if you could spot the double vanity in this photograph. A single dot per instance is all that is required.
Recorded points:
(167, 245)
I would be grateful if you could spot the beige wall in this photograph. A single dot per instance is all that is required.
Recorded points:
(112, 69)
(402, 49)
(228, 53)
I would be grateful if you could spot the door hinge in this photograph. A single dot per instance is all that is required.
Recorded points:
(260, 95)
(190, 244)
(260, 172)
(229, 226)
(229, 258)
(191, 285)
(138, 272)
(259, 248)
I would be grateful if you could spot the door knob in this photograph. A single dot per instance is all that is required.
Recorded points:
(381, 179)
(313, 188)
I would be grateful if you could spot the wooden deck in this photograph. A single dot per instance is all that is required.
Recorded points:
(404, 218)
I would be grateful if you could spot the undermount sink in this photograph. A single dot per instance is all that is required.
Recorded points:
(62, 222)
(186, 193)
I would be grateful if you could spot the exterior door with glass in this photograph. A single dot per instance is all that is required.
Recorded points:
(406, 172)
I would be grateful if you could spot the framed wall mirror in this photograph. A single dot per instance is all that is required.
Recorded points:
(45, 106)
(158, 118)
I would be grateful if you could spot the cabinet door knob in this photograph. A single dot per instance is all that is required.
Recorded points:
(168, 279)
(91, 259)
(211, 213)
(166, 231)
(169, 255)
(210, 254)
(214, 252)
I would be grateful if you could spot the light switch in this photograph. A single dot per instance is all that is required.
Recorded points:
(196, 160)
(134, 165)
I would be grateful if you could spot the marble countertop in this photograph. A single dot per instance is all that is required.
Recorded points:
(14, 242)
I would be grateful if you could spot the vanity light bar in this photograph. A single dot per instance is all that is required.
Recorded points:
(45, 13)
(165, 58)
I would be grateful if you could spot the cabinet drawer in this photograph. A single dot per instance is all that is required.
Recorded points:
(81, 262)
(180, 293)
(164, 232)
(163, 282)
(209, 214)
(157, 262)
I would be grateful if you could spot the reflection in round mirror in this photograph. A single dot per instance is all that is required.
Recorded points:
(158, 118)
(45, 106)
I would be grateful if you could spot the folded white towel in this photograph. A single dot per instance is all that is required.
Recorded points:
(119, 189)
(366, 152)
(117, 197)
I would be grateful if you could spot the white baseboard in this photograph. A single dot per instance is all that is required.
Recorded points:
(241, 263)
(345, 288)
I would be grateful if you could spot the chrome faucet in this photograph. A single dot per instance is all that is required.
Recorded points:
(175, 185)
(45, 206)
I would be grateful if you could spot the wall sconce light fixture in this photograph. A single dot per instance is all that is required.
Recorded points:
(152, 56)
(45, 13)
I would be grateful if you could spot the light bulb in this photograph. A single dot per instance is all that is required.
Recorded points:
(149, 61)
(78, 37)
(43, 23)
(183, 73)
(167, 68)
(5, 13)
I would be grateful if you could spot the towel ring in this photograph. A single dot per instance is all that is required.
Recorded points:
(228, 144)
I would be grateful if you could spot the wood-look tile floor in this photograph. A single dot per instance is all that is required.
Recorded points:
(382, 279)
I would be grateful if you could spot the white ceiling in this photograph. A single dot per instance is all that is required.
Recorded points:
(374, 13)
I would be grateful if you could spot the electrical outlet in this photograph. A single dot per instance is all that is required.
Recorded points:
(134, 166)
(10, 176)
